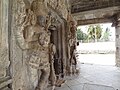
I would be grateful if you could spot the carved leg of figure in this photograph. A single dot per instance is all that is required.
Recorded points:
(43, 79)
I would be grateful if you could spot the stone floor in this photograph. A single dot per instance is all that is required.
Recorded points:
(93, 77)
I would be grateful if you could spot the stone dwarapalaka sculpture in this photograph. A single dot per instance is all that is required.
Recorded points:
(37, 39)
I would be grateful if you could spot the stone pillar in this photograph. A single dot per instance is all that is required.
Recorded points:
(118, 40)
(63, 49)
(0, 23)
(4, 46)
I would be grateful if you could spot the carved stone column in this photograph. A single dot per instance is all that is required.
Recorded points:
(4, 49)
(5, 79)
(64, 50)
(117, 26)
(0, 24)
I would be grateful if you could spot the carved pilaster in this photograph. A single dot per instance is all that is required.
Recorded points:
(4, 54)
(0, 23)
(117, 26)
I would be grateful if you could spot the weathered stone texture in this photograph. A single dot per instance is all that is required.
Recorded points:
(61, 6)
(4, 55)
(18, 67)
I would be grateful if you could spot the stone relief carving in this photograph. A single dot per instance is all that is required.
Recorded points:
(39, 7)
(72, 45)
(34, 37)
(39, 52)
(60, 6)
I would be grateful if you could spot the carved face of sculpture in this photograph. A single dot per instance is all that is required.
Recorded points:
(44, 39)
